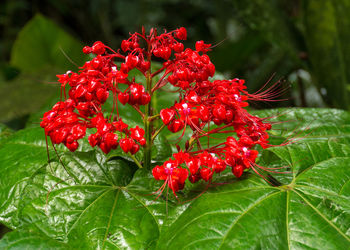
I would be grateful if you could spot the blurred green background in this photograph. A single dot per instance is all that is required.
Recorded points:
(304, 42)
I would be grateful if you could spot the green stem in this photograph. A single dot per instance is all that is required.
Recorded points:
(151, 118)
(148, 125)
(157, 132)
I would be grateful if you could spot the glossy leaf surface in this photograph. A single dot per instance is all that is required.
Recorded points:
(30, 240)
(93, 202)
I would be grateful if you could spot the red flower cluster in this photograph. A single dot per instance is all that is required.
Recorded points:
(89, 89)
(194, 167)
(207, 107)
(202, 103)
(63, 126)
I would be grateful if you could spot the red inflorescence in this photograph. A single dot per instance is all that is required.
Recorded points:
(205, 106)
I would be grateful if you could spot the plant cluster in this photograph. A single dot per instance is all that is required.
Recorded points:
(204, 106)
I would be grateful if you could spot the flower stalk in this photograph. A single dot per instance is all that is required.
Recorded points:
(148, 125)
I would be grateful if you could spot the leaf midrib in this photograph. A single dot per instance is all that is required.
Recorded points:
(287, 219)
(110, 218)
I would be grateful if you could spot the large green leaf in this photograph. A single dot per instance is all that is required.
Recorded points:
(96, 203)
(43, 44)
(41, 50)
(311, 209)
(311, 212)
(80, 199)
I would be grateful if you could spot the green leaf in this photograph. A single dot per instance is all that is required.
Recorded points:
(312, 204)
(29, 157)
(307, 124)
(312, 211)
(43, 44)
(161, 150)
(68, 199)
(29, 240)
(41, 50)
(94, 203)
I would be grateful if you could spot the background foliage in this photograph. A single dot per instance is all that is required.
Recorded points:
(304, 41)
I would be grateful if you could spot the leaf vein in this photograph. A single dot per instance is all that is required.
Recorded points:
(133, 195)
(341, 190)
(92, 203)
(322, 216)
(244, 213)
(313, 165)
